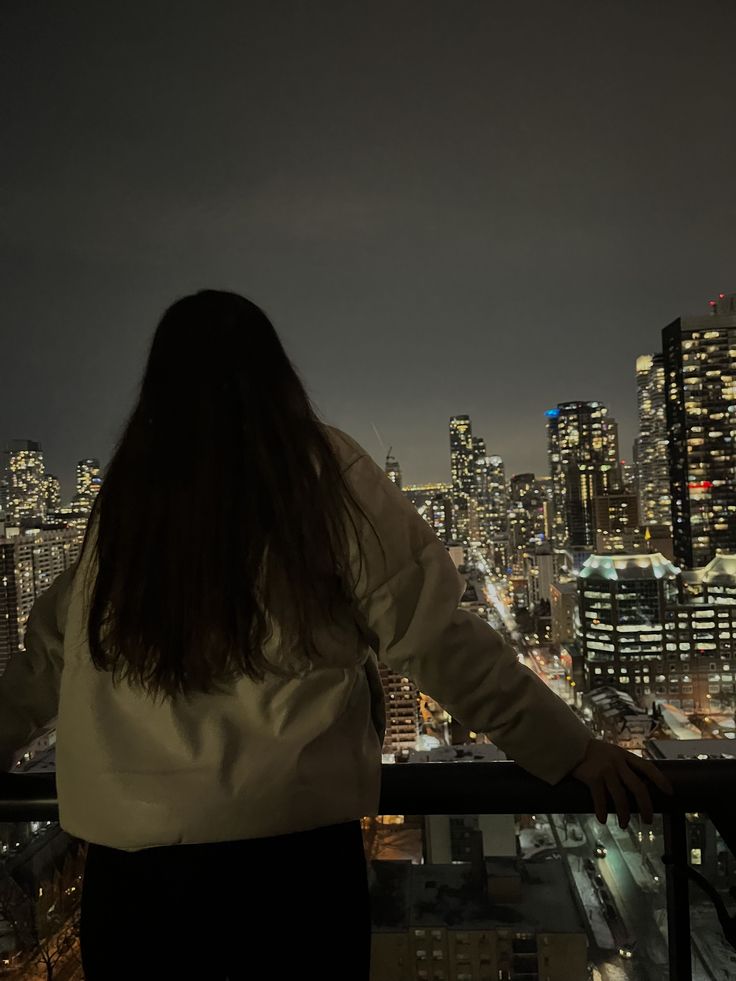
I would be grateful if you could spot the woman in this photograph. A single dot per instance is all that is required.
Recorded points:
(219, 715)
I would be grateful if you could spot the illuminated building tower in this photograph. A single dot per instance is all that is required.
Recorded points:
(30, 562)
(622, 617)
(462, 455)
(480, 495)
(402, 712)
(584, 463)
(499, 498)
(700, 398)
(526, 514)
(617, 523)
(25, 477)
(630, 477)
(52, 493)
(88, 482)
(434, 503)
(392, 469)
(498, 513)
(651, 445)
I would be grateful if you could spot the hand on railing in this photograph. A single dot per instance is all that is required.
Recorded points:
(606, 768)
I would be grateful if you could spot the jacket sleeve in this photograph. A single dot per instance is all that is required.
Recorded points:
(410, 600)
(29, 686)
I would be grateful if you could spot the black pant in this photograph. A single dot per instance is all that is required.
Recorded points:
(288, 906)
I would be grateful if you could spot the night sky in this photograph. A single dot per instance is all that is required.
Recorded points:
(444, 207)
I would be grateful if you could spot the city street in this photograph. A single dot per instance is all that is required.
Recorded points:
(637, 899)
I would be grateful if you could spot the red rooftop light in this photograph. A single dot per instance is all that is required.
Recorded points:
(721, 296)
(712, 303)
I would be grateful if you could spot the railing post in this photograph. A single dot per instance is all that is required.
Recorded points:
(678, 899)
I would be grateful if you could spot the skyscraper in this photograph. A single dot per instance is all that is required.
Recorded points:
(392, 468)
(700, 397)
(526, 514)
(25, 477)
(617, 522)
(434, 503)
(462, 455)
(88, 482)
(52, 493)
(492, 505)
(584, 463)
(653, 482)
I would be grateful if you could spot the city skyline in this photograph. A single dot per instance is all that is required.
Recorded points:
(66, 474)
(483, 212)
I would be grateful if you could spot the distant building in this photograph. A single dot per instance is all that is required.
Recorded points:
(462, 457)
(563, 597)
(89, 482)
(630, 477)
(25, 483)
(653, 482)
(489, 508)
(584, 464)
(645, 628)
(402, 712)
(29, 563)
(52, 493)
(392, 469)
(700, 397)
(714, 583)
(542, 565)
(616, 516)
(434, 503)
(527, 515)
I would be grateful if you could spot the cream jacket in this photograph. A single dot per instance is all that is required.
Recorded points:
(287, 754)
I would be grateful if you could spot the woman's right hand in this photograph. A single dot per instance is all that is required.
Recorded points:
(607, 768)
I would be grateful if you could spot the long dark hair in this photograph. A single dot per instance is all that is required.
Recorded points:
(223, 495)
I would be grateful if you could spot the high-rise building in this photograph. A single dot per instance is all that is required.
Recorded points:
(584, 463)
(630, 477)
(402, 712)
(527, 515)
(434, 503)
(700, 397)
(392, 468)
(653, 482)
(563, 597)
(25, 476)
(621, 624)
(489, 501)
(88, 483)
(648, 629)
(542, 566)
(52, 493)
(498, 512)
(30, 562)
(462, 456)
(616, 517)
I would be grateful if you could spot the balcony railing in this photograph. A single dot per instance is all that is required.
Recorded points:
(701, 786)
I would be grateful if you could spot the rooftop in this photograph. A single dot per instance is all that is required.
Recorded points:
(404, 895)
(652, 565)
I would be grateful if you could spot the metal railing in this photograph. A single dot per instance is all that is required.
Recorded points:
(472, 787)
